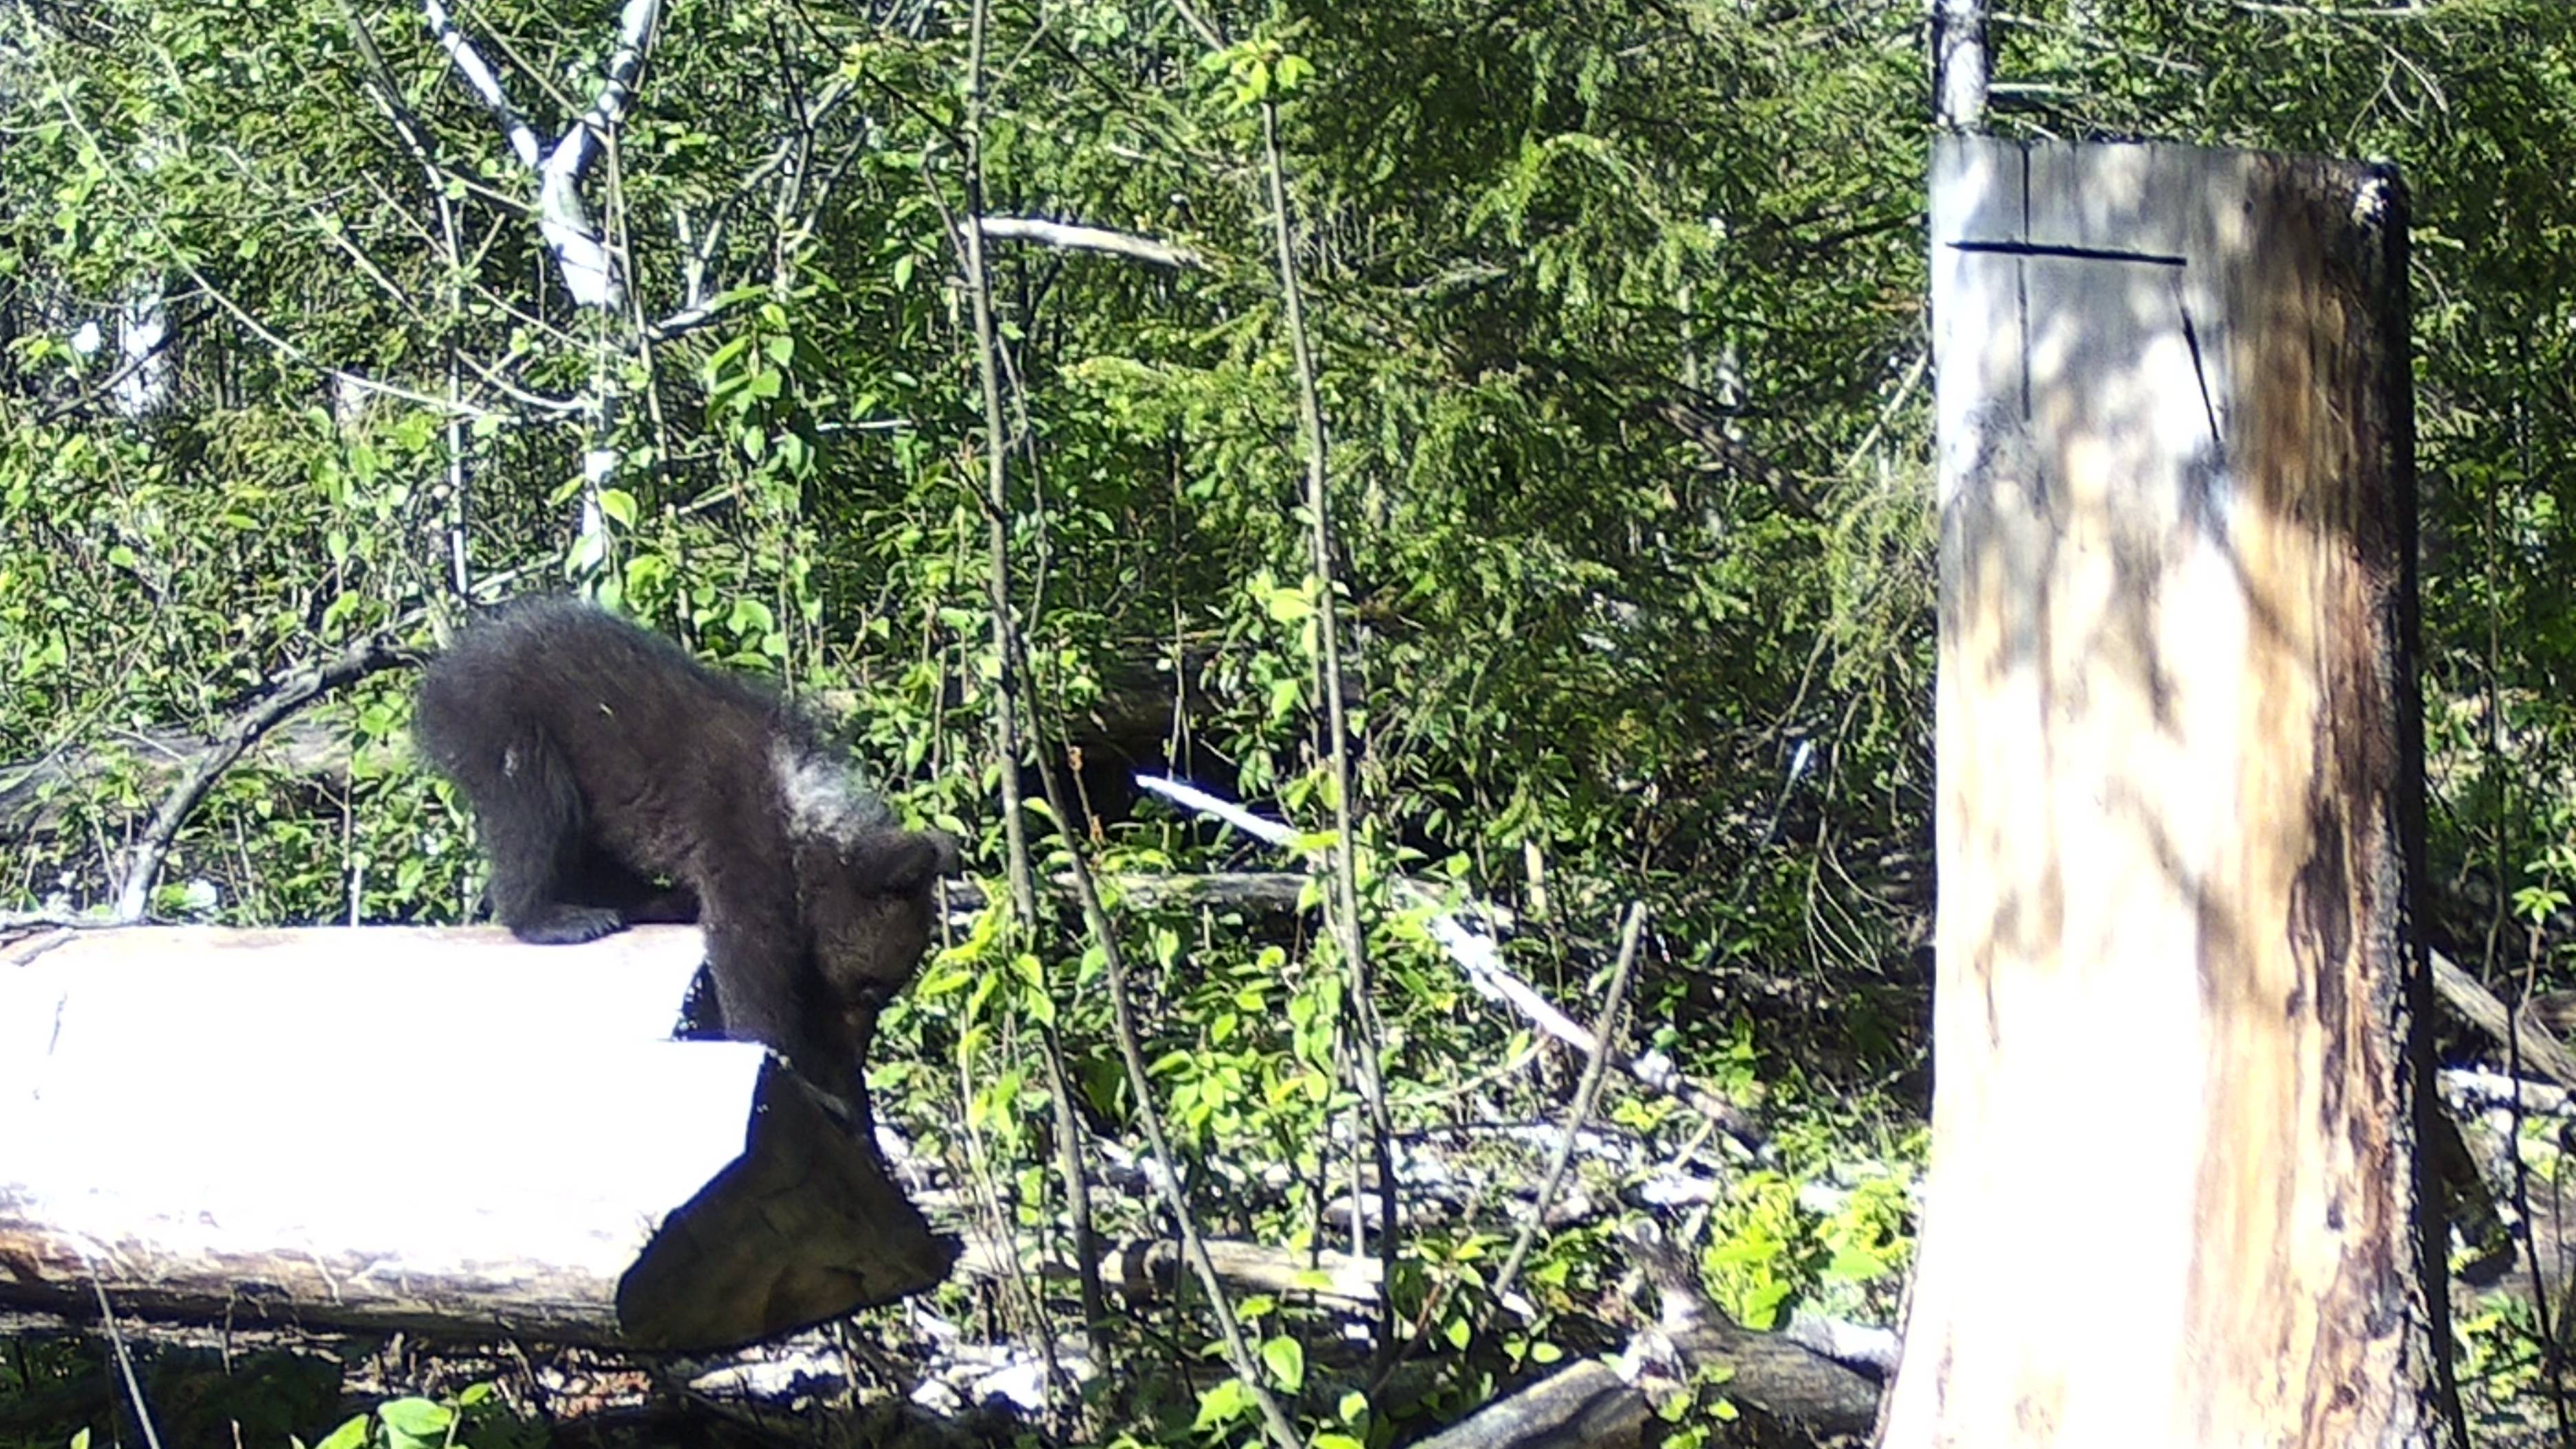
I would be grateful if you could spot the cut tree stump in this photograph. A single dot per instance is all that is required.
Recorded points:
(437, 1130)
(2178, 1018)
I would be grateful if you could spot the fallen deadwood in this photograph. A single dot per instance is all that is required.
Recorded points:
(304, 749)
(1149, 1267)
(200, 1122)
(370, 655)
(2472, 1089)
(1271, 891)
(1477, 955)
(1586, 1403)
(2524, 1218)
(1771, 1374)
(1777, 1378)
(2518, 1260)
(1863, 1346)
(316, 752)
(1783, 1385)
(2481, 1009)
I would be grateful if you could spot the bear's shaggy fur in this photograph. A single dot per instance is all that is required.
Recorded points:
(602, 761)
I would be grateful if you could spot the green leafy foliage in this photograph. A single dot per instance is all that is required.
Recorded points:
(1590, 659)
(474, 1419)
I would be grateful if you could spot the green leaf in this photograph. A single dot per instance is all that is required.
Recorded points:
(619, 505)
(416, 1415)
(415, 1423)
(1288, 606)
(1854, 1263)
(725, 355)
(1223, 1403)
(1286, 1360)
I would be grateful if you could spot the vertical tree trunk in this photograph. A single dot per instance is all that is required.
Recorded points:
(1960, 64)
(2174, 1195)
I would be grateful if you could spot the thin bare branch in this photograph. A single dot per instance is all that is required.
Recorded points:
(1072, 236)
(215, 294)
(1369, 1034)
(1614, 1007)
(1481, 959)
(365, 657)
(1008, 701)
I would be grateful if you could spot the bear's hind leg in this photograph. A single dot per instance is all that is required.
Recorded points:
(530, 815)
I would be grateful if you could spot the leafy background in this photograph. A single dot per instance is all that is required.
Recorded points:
(1597, 656)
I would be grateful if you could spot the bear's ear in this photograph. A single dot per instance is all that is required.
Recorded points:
(945, 846)
(899, 862)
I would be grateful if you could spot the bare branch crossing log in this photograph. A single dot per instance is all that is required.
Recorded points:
(441, 1130)
(2177, 1008)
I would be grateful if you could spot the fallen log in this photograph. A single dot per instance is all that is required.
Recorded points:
(210, 1123)
(1476, 954)
(1585, 1403)
(2482, 1009)
(1265, 892)
(1145, 1268)
(1792, 1391)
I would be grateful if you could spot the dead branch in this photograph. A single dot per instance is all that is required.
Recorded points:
(1595, 1402)
(2481, 1009)
(1614, 1005)
(305, 748)
(365, 657)
(1072, 236)
(1145, 1268)
(1480, 958)
(1730, 454)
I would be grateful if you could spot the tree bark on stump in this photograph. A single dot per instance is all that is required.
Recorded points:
(2178, 1012)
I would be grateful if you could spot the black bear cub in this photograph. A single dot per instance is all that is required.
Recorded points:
(601, 760)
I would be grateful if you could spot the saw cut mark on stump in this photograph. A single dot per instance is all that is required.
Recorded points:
(438, 1130)
(2179, 808)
